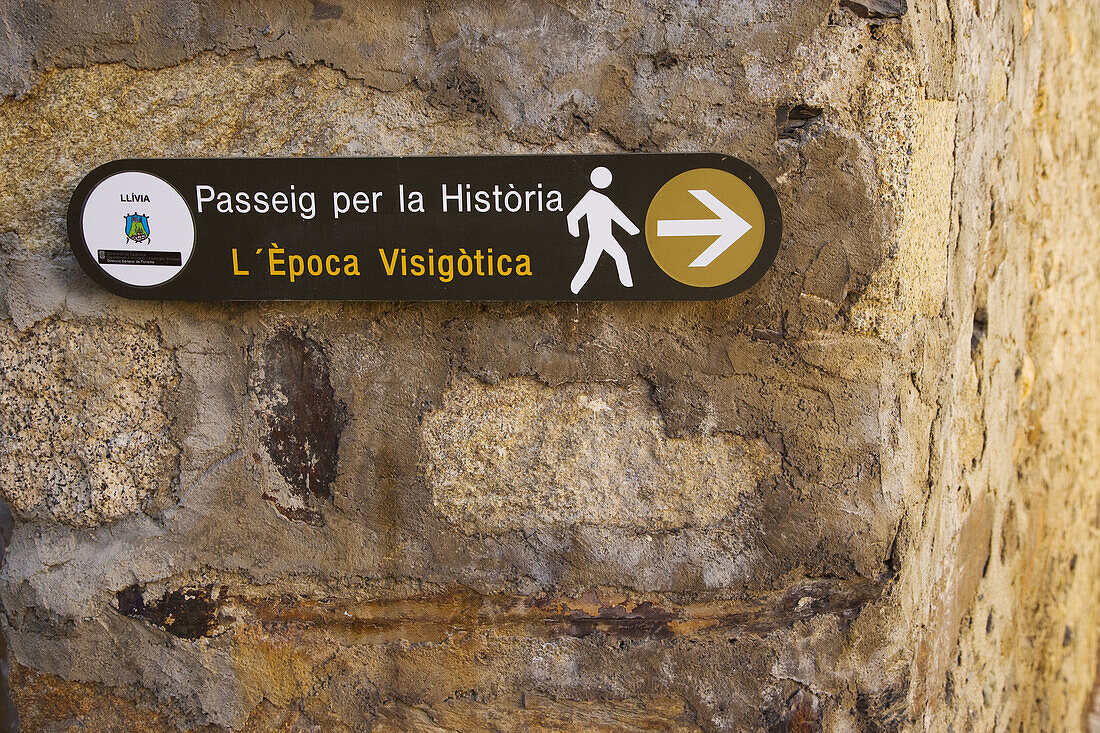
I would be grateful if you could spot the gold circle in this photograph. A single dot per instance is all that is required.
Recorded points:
(674, 254)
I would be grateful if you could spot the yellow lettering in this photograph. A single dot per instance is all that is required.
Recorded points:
(236, 268)
(389, 265)
(296, 266)
(272, 261)
(523, 265)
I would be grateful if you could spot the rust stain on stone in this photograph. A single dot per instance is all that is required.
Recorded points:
(536, 713)
(802, 714)
(435, 617)
(50, 703)
(189, 613)
(304, 420)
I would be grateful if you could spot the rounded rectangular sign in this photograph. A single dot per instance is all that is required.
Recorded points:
(686, 226)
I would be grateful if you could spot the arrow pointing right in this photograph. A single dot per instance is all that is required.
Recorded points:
(728, 227)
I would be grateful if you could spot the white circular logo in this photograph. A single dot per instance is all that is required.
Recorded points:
(138, 228)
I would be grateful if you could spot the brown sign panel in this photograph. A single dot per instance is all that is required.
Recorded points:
(690, 226)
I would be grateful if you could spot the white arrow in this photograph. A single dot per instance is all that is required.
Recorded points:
(728, 227)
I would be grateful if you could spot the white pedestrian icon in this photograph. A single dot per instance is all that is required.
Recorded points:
(601, 211)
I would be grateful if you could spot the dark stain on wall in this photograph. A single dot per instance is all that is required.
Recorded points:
(189, 613)
(326, 11)
(304, 418)
(800, 714)
(876, 9)
(792, 119)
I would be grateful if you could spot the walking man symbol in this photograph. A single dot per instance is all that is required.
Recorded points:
(601, 211)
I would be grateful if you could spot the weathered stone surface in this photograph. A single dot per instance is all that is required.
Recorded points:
(522, 455)
(85, 436)
(860, 496)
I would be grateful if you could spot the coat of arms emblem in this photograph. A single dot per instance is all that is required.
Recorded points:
(137, 227)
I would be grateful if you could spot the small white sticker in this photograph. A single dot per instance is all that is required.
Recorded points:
(138, 228)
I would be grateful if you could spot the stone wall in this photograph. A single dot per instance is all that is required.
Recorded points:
(863, 495)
